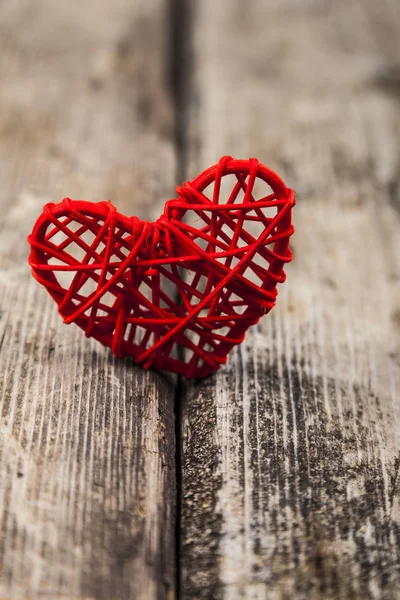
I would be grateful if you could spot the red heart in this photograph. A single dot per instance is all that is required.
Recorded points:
(149, 289)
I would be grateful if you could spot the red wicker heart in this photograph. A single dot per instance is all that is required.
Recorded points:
(179, 293)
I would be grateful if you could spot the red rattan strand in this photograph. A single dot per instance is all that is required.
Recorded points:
(143, 289)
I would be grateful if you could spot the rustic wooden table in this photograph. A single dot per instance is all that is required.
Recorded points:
(279, 476)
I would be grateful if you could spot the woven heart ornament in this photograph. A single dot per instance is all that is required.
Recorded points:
(179, 293)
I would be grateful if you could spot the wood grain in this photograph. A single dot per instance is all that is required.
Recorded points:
(87, 466)
(290, 454)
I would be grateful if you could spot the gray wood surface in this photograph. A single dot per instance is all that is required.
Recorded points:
(288, 478)
(87, 443)
(290, 454)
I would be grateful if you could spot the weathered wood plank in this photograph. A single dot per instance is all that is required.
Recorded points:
(291, 453)
(87, 466)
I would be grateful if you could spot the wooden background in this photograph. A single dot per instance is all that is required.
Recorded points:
(278, 477)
